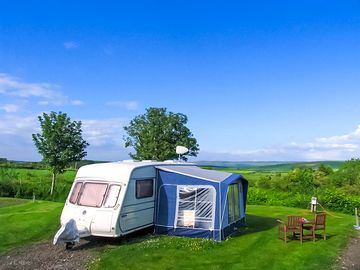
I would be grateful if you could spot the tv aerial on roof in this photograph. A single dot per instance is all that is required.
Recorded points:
(181, 150)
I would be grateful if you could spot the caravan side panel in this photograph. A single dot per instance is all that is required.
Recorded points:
(138, 207)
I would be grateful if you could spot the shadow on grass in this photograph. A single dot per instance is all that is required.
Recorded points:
(256, 224)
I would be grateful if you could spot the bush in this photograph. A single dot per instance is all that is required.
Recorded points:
(25, 183)
(264, 182)
(339, 200)
(9, 186)
(278, 198)
(330, 199)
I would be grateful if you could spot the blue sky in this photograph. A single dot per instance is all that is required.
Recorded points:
(259, 80)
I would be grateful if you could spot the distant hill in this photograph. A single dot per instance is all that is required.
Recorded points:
(263, 166)
(272, 166)
(39, 165)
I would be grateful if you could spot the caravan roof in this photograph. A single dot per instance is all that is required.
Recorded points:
(119, 171)
(193, 171)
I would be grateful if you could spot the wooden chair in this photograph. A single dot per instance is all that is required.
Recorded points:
(293, 225)
(318, 224)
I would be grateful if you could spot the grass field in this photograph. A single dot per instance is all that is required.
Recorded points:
(23, 222)
(43, 175)
(269, 166)
(24, 183)
(9, 202)
(257, 247)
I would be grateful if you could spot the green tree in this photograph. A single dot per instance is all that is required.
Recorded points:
(325, 170)
(300, 180)
(60, 142)
(347, 174)
(155, 135)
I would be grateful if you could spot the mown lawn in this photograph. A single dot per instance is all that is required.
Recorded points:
(257, 247)
(23, 222)
(10, 201)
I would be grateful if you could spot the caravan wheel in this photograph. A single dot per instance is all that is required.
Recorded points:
(69, 245)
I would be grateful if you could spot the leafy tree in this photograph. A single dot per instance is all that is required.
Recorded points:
(155, 135)
(60, 142)
(325, 170)
(300, 180)
(347, 174)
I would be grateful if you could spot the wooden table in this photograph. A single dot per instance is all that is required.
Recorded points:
(307, 226)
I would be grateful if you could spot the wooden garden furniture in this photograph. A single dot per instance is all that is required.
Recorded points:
(318, 224)
(293, 225)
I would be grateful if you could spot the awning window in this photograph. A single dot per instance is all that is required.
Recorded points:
(195, 207)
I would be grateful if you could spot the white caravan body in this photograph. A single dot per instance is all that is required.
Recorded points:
(113, 199)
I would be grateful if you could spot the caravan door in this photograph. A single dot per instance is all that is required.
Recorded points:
(102, 222)
(138, 207)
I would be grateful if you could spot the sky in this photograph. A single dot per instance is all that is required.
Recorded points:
(258, 80)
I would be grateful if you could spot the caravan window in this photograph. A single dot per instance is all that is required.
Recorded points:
(93, 194)
(75, 192)
(233, 203)
(112, 196)
(195, 207)
(144, 188)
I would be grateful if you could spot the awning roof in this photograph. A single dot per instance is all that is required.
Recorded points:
(193, 171)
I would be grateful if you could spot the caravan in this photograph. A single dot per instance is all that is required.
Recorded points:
(115, 199)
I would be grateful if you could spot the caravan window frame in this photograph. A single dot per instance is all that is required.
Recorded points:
(83, 183)
(139, 181)
(93, 183)
(197, 219)
(78, 192)
(108, 193)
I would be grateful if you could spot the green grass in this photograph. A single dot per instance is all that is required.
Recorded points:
(23, 222)
(285, 167)
(257, 247)
(24, 183)
(43, 175)
(270, 166)
(9, 201)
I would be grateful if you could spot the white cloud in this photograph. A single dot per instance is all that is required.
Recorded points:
(328, 148)
(106, 143)
(352, 137)
(48, 94)
(69, 45)
(15, 137)
(13, 86)
(104, 136)
(96, 132)
(10, 108)
(43, 102)
(130, 105)
(102, 132)
(14, 124)
(77, 102)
